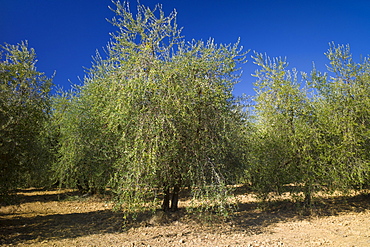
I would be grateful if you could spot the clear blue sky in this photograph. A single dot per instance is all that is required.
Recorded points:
(66, 33)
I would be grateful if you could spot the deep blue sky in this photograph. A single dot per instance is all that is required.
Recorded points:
(66, 33)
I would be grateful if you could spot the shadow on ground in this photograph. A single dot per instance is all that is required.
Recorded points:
(259, 215)
(250, 217)
(28, 196)
(58, 226)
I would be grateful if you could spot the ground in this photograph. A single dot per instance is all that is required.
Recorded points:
(65, 218)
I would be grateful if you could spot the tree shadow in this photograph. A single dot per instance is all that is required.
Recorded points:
(251, 217)
(23, 196)
(56, 194)
(256, 216)
(332, 206)
(58, 226)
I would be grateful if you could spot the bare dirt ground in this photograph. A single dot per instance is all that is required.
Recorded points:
(64, 218)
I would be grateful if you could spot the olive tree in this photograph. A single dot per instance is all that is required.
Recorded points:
(24, 113)
(311, 133)
(166, 106)
(81, 145)
(283, 150)
(342, 104)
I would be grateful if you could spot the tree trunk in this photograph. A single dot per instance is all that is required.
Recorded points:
(308, 200)
(175, 198)
(308, 196)
(166, 199)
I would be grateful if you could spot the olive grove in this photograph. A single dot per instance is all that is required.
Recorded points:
(156, 115)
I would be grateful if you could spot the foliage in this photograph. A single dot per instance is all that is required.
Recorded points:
(343, 105)
(157, 113)
(281, 112)
(84, 146)
(24, 114)
(312, 133)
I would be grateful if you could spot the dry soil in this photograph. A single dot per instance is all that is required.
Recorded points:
(65, 218)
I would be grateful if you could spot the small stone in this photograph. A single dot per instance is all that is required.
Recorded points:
(182, 241)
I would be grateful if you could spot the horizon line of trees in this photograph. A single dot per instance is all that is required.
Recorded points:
(157, 115)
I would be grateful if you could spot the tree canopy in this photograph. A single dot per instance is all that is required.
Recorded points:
(157, 113)
(312, 133)
(24, 111)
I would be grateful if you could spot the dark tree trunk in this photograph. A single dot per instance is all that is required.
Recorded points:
(308, 199)
(175, 198)
(83, 186)
(166, 199)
